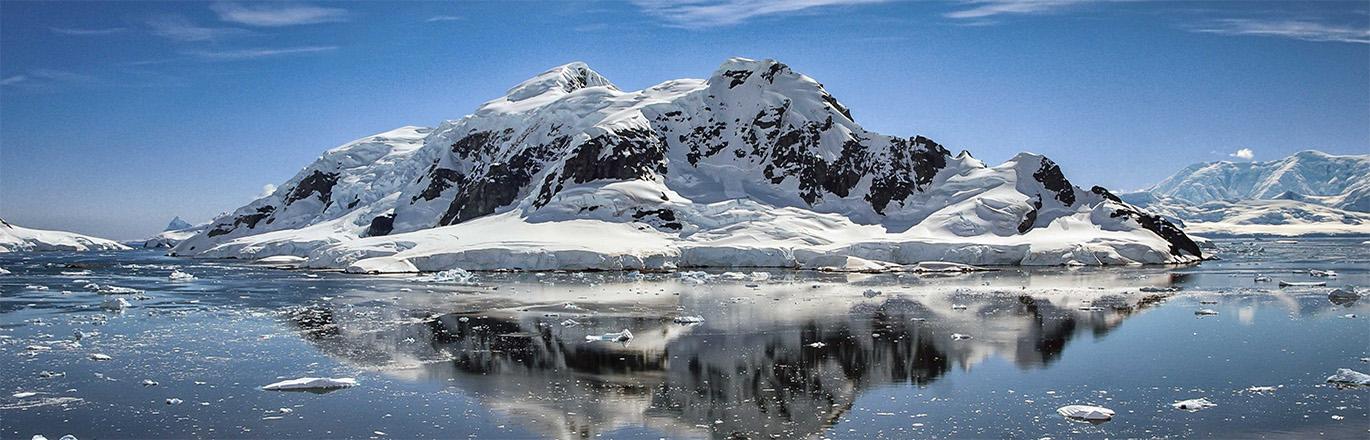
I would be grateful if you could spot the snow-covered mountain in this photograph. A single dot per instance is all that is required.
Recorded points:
(1310, 192)
(20, 239)
(755, 166)
(176, 231)
(1310, 176)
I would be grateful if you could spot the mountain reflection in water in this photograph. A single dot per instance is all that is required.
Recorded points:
(760, 365)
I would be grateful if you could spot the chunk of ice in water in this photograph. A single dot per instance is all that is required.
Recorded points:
(312, 383)
(960, 337)
(688, 319)
(1086, 412)
(1193, 404)
(623, 336)
(1205, 312)
(1347, 376)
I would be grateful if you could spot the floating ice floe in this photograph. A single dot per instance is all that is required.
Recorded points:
(570, 323)
(1193, 404)
(23, 394)
(100, 357)
(816, 345)
(1302, 283)
(451, 276)
(960, 337)
(35, 287)
(1349, 377)
(623, 336)
(177, 275)
(688, 319)
(149, 383)
(1322, 273)
(1262, 279)
(1205, 312)
(1086, 412)
(695, 277)
(174, 401)
(312, 384)
(115, 304)
(1261, 390)
(3, 271)
(112, 290)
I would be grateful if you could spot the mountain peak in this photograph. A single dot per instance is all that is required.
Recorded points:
(737, 71)
(177, 224)
(565, 78)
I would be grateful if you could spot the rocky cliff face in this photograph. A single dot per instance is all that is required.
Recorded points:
(569, 145)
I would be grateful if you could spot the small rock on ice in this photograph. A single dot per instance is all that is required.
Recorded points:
(870, 293)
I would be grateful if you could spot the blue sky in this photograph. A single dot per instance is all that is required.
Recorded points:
(115, 117)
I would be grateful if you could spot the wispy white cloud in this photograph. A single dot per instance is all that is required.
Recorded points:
(1307, 30)
(981, 9)
(179, 28)
(277, 14)
(87, 32)
(247, 54)
(47, 80)
(1243, 154)
(437, 18)
(695, 14)
(267, 190)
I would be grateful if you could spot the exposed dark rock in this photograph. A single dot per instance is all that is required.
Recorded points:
(250, 220)
(318, 182)
(381, 225)
(1031, 217)
(1053, 180)
(738, 77)
(1179, 242)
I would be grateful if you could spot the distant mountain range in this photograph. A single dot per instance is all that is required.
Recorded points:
(1310, 192)
(757, 165)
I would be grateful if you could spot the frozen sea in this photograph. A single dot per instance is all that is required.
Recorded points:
(779, 354)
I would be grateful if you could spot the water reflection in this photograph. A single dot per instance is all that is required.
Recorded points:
(758, 366)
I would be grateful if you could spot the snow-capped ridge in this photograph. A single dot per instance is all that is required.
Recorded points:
(15, 238)
(757, 165)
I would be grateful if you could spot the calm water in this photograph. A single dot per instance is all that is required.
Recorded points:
(501, 360)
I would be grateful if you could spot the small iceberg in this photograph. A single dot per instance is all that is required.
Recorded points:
(312, 384)
(177, 275)
(1205, 312)
(1086, 413)
(817, 345)
(1322, 273)
(1349, 378)
(695, 278)
(100, 357)
(115, 304)
(1302, 283)
(450, 276)
(1193, 404)
(960, 337)
(1262, 279)
(623, 336)
(687, 319)
(1261, 390)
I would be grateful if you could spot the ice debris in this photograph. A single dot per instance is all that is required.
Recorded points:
(450, 276)
(1205, 312)
(1086, 412)
(100, 357)
(177, 275)
(960, 337)
(623, 336)
(115, 304)
(1193, 404)
(688, 319)
(1349, 377)
(312, 383)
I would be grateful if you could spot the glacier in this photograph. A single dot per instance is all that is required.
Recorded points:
(756, 166)
(20, 239)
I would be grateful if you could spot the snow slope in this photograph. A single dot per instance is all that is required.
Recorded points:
(20, 239)
(755, 166)
(1312, 176)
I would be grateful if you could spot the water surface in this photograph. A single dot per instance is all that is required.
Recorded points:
(780, 353)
